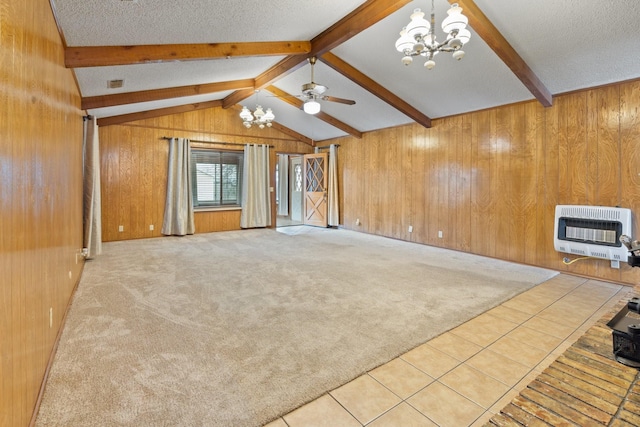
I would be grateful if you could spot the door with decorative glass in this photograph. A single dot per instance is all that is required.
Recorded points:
(315, 189)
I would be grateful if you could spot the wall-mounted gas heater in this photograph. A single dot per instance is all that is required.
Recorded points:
(592, 231)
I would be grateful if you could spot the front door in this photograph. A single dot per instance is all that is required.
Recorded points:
(315, 189)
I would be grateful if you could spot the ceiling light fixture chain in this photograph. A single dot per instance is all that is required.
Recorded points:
(418, 38)
(259, 117)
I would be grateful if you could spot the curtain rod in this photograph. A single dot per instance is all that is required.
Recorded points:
(218, 143)
(88, 117)
(326, 147)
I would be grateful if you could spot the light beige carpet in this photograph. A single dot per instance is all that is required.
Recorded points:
(237, 328)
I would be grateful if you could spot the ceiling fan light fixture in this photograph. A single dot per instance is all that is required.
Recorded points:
(311, 106)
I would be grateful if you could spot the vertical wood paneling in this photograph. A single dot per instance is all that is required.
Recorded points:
(504, 193)
(519, 179)
(40, 199)
(630, 159)
(609, 184)
(537, 233)
(551, 159)
(520, 161)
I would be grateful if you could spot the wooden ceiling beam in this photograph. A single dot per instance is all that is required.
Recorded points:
(496, 41)
(101, 56)
(376, 89)
(354, 23)
(357, 21)
(297, 102)
(159, 94)
(150, 114)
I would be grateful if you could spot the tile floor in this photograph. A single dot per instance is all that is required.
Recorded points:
(463, 377)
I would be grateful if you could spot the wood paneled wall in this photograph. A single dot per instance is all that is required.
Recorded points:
(40, 200)
(490, 180)
(134, 161)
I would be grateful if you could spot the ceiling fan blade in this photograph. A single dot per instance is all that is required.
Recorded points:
(284, 96)
(340, 100)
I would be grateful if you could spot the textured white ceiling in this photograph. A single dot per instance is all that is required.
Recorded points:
(572, 44)
(117, 22)
(569, 44)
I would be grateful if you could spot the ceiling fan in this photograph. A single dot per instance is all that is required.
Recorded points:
(312, 92)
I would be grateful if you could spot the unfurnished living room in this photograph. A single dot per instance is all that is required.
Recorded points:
(319, 213)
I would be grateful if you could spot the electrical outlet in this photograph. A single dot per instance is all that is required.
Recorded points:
(151, 227)
(411, 229)
(358, 221)
(70, 275)
(51, 317)
(120, 228)
(440, 234)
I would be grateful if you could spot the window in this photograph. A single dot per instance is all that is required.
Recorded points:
(216, 178)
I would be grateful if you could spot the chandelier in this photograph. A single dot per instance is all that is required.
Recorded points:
(418, 37)
(259, 117)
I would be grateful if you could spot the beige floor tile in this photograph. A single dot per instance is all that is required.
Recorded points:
(429, 360)
(277, 423)
(322, 412)
(365, 398)
(445, 407)
(481, 336)
(535, 338)
(510, 314)
(516, 350)
(402, 415)
(530, 303)
(551, 328)
(496, 324)
(502, 368)
(475, 385)
(561, 316)
(455, 346)
(401, 377)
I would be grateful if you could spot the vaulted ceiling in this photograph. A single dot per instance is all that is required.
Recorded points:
(176, 56)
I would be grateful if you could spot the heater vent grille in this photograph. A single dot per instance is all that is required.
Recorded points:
(592, 231)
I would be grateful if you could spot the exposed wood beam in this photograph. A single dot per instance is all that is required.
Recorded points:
(149, 114)
(496, 41)
(297, 102)
(159, 94)
(367, 83)
(357, 21)
(100, 56)
(237, 97)
(287, 131)
(354, 23)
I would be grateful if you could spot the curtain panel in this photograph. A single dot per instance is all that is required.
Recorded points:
(178, 209)
(333, 210)
(92, 214)
(256, 200)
